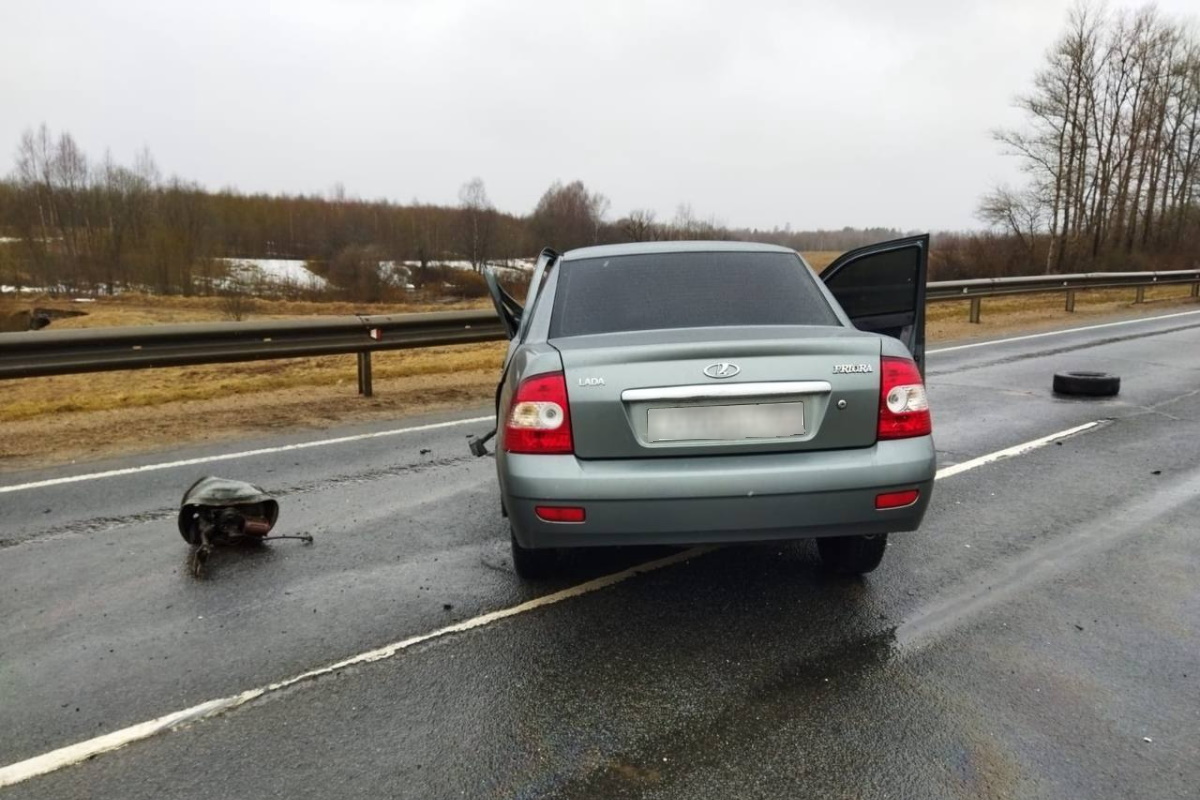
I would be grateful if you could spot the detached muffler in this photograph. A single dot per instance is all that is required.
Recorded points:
(219, 511)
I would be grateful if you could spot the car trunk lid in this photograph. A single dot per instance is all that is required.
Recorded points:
(721, 390)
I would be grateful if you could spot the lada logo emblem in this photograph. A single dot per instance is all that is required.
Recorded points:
(722, 369)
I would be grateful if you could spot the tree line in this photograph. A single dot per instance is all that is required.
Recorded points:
(1111, 148)
(100, 226)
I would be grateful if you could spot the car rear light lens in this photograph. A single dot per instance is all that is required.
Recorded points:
(538, 421)
(560, 513)
(903, 406)
(896, 499)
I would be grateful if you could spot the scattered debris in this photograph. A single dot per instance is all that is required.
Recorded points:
(1156, 472)
(425, 451)
(218, 511)
(1147, 739)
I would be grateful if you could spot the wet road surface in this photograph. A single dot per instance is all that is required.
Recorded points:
(1039, 637)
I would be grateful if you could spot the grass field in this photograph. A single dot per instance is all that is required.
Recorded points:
(87, 416)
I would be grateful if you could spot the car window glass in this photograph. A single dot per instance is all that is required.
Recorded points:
(658, 291)
(881, 283)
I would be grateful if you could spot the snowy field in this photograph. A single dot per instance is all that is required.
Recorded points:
(294, 272)
(290, 271)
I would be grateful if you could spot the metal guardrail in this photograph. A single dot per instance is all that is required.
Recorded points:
(40, 353)
(977, 288)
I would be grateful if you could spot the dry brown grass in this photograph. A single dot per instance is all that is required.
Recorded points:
(820, 259)
(63, 394)
(131, 309)
(947, 321)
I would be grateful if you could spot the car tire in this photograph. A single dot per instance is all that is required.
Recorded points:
(1086, 384)
(852, 555)
(532, 564)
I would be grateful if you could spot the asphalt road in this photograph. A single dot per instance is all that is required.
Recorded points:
(1039, 637)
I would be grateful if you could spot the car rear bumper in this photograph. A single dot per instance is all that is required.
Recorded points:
(717, 499)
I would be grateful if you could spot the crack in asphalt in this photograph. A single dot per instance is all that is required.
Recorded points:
(95, 525)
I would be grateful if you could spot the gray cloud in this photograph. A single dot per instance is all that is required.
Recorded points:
(758, 113)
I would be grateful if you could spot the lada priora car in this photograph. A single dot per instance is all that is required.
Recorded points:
(715, 392)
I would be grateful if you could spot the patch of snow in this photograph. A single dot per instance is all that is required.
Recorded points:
(515, 264)
(5, 289)
(275, 270)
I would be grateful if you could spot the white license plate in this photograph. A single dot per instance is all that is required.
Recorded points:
(725, 423)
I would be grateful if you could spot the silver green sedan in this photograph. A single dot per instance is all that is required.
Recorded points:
(715, 392)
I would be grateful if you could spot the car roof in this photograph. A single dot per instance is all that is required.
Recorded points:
(643, 248)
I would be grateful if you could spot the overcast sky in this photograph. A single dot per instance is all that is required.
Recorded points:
(817, 114)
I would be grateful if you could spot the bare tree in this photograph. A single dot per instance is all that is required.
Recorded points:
(569, 216)
(1019, 214)
(639, 226)
(1110, 141)
(478, 222)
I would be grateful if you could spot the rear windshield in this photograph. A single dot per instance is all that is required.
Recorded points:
(685, 290)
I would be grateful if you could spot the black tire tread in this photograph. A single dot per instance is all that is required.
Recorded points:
(1086, 384)
(852, 555)
(530, 564)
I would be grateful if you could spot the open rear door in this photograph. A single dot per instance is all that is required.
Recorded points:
(881, 288)
(508, 309)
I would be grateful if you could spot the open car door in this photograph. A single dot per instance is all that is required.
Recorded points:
(507, 307)
(510, 311)
(881, 288)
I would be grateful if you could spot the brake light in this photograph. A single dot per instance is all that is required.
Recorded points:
(896, 499)
(560, 513)
(538, 420)
(903, 405)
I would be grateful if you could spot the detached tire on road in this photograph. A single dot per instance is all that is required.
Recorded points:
(532, 565)
(852, 555)
(1086, 384)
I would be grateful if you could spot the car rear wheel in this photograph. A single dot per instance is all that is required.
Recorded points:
(531, 564)
(852, 555)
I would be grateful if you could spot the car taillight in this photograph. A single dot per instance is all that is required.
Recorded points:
(538, 420)
(903, 406)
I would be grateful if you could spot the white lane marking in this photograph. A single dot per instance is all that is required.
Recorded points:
(1016, 450)
(73, 754)
(343, 439)
(81, 751)
(1059, 333)
(189, 462)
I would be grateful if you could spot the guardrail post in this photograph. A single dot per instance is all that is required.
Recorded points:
(1071, 300)
(1196, 290)
(1141, 295)
(976, 302)
(364, 373)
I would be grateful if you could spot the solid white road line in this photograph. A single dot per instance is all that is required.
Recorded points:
(1017, 450)
(1029, 336)
(189, 462)
(81, 751)
(73, 754)
(344, 439)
